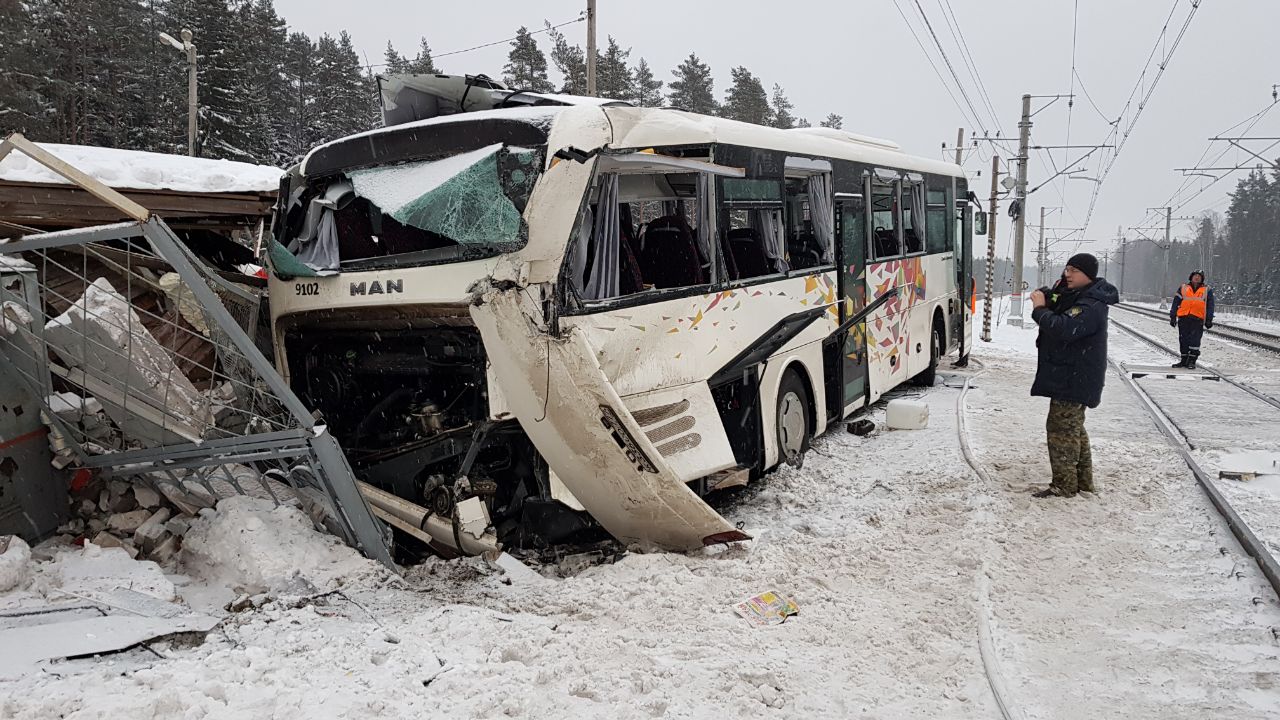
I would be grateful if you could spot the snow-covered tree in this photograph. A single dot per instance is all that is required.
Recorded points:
(833, 121)
(570, 62)
(693, 88)
(613, 77)
(526, 67)
(646, 90)
(746, 99)
(781, 108)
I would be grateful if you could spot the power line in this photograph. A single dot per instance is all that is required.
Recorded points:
(967, 56)
(582, 17)
(1155, 82)
(1071, 93)
(945, 85)
(947, 60)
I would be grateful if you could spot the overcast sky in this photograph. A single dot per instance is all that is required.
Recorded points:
(858, 58)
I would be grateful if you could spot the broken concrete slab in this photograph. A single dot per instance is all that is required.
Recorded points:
(108, 352)
(152, 532)
(128, 522)
(105, 539)
(147, 496)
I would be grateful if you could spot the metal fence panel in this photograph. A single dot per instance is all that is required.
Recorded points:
(154, 375)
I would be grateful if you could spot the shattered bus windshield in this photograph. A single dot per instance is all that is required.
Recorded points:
(456, 208)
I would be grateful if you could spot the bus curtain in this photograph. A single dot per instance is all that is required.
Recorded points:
(768, 221)
(822, 212)
(602, 279)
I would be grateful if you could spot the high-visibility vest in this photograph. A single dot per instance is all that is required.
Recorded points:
(1193, 301)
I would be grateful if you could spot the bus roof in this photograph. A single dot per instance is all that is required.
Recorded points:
(633, 128)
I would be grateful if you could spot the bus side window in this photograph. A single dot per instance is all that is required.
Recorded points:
(884, 225)
(936, 223)
(913, 211)
(753, 237)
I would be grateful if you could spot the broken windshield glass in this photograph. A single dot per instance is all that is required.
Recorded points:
(457, 208)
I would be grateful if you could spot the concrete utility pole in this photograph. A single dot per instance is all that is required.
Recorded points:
(591, 48)
(1123, 249)
(1041, 270)
(959, 145)
(1020, 222)
(189, 48)
(991, 247)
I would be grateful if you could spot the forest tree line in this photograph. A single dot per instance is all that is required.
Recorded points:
(1239, 251)
(94, 72)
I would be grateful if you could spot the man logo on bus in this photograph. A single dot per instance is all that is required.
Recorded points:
(377, 288)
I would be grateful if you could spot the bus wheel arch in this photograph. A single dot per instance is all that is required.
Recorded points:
(937, 348)
(795, 416)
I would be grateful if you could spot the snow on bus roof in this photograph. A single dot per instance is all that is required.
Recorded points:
(137, 170)
(651, 127)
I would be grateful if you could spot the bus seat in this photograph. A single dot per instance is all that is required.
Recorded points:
(726, 250)
(630, 279)
(748, 253)
(669, 255)
(804, 251)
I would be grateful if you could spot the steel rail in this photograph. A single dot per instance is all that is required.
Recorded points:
(1268, 341)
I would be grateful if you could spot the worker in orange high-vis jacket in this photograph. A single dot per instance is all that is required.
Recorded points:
(1191, 312)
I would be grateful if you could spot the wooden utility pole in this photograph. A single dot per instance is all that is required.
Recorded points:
(591, 48)
(959, 145)
(991, 246)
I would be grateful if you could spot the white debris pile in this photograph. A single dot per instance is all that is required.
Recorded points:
(255, 547)
(15, 559)
(137, 170)
(108, 351)
(131, 515)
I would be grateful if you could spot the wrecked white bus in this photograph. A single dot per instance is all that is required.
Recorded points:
(580, 311)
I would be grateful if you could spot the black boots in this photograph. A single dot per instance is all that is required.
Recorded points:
(1191, 362)
(1185, 362)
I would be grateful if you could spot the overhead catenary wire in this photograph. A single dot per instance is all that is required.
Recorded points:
(1116, 134)
(945, 85)
(950, 67)
(958, 34)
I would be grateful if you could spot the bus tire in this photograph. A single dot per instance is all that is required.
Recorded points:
(792, 419)
(929, 375)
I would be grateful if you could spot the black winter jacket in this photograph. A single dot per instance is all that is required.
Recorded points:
(1072, 345)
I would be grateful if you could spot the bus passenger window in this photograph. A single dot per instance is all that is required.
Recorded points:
(936, 227)
(810, 221)
(913, 212)
(884, 228)
(753, 232)
(640, 231)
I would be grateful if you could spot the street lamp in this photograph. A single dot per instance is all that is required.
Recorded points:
(189, 48)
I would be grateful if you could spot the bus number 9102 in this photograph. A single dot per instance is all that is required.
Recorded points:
(306, 289)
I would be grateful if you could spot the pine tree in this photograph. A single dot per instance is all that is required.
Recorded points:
(693, 88)
(782, 107)
(341, 93)
(526, 67)
(20, 82)
(646, 89)
(613, 77)
(570, 62)
(803, 123)
(394, 62)
(423, 64)
(746, 99)
(833, 121)
(298, 103)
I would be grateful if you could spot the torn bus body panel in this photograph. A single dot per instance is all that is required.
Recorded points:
(581, 426)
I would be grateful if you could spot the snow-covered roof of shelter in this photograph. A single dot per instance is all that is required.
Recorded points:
(136, 170)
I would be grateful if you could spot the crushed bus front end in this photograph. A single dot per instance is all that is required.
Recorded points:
(412, 301)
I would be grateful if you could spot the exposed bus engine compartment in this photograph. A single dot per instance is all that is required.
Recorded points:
(410, 406)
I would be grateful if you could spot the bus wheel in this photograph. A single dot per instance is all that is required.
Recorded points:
(927, 376)
(792, 419)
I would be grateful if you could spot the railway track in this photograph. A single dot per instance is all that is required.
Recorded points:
(1253, 338)
(1178, 438)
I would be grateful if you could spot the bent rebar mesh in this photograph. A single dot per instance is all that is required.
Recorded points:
(144, 360)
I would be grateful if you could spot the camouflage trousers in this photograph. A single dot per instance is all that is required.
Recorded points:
(1069, 452)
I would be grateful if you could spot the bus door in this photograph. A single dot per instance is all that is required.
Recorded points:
(852, 234)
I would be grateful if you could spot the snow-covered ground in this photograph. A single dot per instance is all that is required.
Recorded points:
(1133, 603)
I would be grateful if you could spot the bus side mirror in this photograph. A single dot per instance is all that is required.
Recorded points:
(980, 223)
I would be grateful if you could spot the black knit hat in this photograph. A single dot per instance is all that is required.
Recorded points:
(1194, 273)
(1085, 263)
